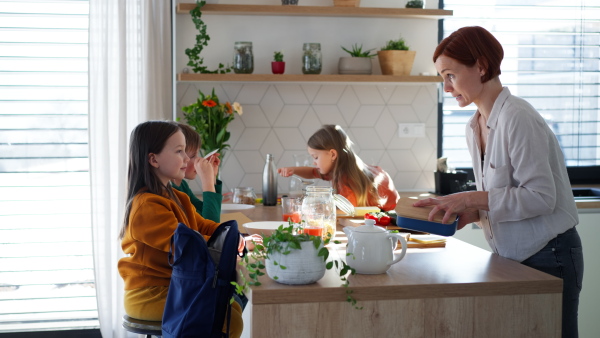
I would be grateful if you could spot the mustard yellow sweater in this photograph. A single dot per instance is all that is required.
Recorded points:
(152, 221)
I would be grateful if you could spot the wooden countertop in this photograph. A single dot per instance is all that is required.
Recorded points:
(458, 270)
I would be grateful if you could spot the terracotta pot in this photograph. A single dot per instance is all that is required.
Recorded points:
(355, 65)
(278, 67)
(346, 3)
(396, 62)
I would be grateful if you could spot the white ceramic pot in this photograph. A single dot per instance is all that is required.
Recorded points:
(355, 65)
(302, 266)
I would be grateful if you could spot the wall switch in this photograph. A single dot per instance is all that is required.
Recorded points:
(411, 129)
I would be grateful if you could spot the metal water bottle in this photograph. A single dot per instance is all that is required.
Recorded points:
(269, 187)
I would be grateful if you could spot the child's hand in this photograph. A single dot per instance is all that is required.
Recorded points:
(205, 169)
(251, 240)
(286, 171)
(215, 161)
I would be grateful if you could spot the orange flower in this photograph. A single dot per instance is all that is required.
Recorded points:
(228, 108)
(209, 103)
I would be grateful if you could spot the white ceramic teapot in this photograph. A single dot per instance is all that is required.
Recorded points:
(371, 248)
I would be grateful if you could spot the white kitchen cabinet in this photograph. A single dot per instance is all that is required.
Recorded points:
(589, 300)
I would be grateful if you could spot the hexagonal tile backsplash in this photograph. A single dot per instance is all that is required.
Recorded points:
(278, 119)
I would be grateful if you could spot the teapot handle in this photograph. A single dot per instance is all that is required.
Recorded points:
(404, 247)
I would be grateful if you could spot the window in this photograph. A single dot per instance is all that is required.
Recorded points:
(46, 266)
(551, 59)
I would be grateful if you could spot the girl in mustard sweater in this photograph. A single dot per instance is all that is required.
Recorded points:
(154, 209)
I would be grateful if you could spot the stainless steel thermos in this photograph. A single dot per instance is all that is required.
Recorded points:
(269, 187)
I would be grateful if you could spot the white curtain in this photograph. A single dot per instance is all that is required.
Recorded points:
(130, 81)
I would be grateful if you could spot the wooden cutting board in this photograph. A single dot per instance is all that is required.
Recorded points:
(404, 208)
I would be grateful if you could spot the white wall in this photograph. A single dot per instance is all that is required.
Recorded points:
(280, 117)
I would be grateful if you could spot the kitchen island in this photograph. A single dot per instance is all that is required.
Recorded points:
(456, 291)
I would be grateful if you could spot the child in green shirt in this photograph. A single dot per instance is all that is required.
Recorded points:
(210, 207)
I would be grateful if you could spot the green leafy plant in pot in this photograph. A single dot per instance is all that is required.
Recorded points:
(278, 65)
(202, 38)
(291, 257)
(359, 61)
(210, 118)
(395, 58)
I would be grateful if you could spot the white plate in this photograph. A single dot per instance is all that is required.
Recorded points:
(265, 228)
(230, 207)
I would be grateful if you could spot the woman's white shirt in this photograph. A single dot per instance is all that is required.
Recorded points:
(523, 169)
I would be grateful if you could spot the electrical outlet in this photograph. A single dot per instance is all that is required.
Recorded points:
(411, 129)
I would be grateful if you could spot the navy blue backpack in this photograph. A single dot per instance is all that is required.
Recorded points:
(200, 290)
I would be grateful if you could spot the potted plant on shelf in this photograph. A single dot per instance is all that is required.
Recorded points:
(415, 4)
(359, 61)
(278, 65)
(290, 256)
(202, 38)
(346, 3)
(210, 119)
(395, 58)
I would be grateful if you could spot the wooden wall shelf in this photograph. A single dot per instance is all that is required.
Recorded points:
(415, 13)
(304, 78)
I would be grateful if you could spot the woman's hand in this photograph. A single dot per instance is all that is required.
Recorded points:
(205, 169)
(464, 204)
(286, 171)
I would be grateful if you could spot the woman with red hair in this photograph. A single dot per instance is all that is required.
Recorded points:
(523, 202)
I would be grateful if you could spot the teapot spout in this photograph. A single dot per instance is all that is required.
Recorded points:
(347, 231)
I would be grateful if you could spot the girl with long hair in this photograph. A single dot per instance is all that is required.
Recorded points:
(335, 161)
(154, 209)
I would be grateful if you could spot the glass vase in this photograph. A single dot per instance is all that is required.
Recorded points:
(243, 59)
(311, 58)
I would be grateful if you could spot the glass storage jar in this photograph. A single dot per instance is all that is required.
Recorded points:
(243, 60)
(311, 59)
(244, 195)
(318, 211)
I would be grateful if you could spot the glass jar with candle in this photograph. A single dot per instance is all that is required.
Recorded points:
(311, 59)
(318, 211)
(243, 59)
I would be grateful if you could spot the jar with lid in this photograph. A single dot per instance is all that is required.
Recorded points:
(318, 211)
(244, 195)
(243, 59)
(311, 59)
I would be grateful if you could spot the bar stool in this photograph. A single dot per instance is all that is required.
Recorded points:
(149, 328)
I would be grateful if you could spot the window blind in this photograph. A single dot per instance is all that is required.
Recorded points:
(46, 266)
(551, 59)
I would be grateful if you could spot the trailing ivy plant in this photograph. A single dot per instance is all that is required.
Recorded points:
(202, 38)
(283, 240)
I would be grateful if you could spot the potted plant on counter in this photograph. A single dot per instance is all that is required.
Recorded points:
(290, 256)
(359, 61)
(395, 58)
(278, 65)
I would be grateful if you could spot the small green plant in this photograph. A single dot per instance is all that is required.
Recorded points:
(283, 240)
(399, 44)
(414, 4)
(278, 56)
(357, 52)
(202, 38)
